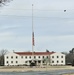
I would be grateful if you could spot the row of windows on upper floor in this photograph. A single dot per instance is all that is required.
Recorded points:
(35, 57)
(57, 56)
(27, 57)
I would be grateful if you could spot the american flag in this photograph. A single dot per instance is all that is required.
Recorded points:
(33, 39)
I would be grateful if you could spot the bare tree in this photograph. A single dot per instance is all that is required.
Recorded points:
(2, 53)
(3, 2)
(70, 57)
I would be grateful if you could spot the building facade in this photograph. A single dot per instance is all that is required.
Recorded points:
(57, 59)
(40, 58)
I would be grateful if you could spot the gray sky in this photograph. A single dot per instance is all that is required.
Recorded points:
(53, 28)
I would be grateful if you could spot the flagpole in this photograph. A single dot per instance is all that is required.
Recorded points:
(32, 36)
(32, 19)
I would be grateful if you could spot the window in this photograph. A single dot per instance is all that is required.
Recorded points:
(21, 56)
(57, 61)
(16, 57)
(52, 56)
(7, 62)
(7, 57)
(39, 61)
(25, 56)
(39, 56)
(43, 61)
(25, 61)
(47, 56)
(52, 61)
(11, 57)
(29, 61)
(61, 61)
(57, 56)
(16, 61)
(61, 56)
(29, 56)
(43, 56)
(11, 61)
(34, 56)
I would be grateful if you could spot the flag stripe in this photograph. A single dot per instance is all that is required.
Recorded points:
(33, 39)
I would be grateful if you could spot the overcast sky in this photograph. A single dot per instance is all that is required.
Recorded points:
(53, 28)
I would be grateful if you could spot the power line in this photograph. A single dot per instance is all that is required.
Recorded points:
(22, 16)
(41, 9)
(28, 16)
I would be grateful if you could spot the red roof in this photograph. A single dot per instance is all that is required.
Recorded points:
(35, 53)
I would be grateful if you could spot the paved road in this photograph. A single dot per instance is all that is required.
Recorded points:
(58, 72)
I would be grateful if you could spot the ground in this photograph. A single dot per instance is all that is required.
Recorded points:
(35, 68)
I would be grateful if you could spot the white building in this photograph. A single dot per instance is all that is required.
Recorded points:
(57, 59)
(40, 58)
